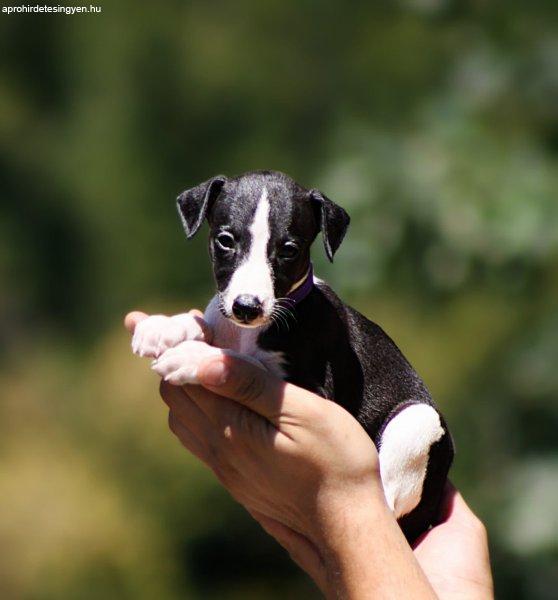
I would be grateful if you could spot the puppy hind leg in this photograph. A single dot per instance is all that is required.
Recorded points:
(404, 452)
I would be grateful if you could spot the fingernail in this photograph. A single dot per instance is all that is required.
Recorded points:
(215, 373)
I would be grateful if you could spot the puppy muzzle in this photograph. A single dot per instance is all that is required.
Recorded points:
(247, 309)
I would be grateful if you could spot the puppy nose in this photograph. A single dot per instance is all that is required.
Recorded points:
(246, 308)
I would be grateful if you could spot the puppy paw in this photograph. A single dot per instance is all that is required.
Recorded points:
(179, 365)
(158, 333)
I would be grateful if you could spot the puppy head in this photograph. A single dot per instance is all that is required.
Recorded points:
(262, 225)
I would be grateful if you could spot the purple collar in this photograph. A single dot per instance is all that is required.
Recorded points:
(299, 293)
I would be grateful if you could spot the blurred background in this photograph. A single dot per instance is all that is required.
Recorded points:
(433, 122)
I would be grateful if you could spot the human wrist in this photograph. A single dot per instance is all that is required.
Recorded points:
(348, 530)
(365, 555)
(340, 515)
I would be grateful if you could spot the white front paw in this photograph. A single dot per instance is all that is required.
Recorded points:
(179, 365)
(157, 333)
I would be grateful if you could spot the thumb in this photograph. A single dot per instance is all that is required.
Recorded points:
(132, 319)
(236, 378)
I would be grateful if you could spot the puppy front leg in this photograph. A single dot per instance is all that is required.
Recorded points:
(158, 333)
(179, 365)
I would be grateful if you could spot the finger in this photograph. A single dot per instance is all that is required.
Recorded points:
(300, 549)
(189, 415)
(239, 380)
(220, 411)
(132, 319)
(232, 420)
(199, 435)
(448, 501)
(458, 512)
(453, 505)
(188, 439)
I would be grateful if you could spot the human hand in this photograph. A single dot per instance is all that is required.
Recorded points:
(454, 554)
(304, 468)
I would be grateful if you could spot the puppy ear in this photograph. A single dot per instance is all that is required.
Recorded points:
(333, 221)
(194, 204)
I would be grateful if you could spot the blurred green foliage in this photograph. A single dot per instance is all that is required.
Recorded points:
(434, 122)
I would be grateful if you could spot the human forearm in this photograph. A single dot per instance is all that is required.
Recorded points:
(366, 556)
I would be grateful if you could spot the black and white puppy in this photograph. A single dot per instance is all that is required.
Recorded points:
(270, 308)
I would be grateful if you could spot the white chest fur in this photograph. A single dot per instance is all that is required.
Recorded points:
(243, 340)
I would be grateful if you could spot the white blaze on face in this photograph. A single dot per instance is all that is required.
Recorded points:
(253, 275)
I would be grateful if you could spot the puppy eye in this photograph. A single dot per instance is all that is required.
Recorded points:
(288, 251)
(225, 241)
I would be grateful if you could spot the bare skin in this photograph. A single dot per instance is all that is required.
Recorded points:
(308, 473)
(454, 554)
